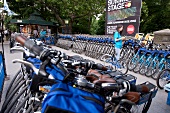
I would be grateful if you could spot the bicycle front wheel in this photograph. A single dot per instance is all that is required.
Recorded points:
(152, 69)
(123, 67)
(132, 63)
(163, 78)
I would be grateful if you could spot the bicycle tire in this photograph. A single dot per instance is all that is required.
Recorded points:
(21, 104)
(13, 102)
(12, 81)
(10, 96)
(145, 65)
(155, 76)
(137, 66)
(150, 69)
(124, 64)
(130, 63)
(14, 87)
(130, 56)
(159, 77)
(11, 85)
(143, 69)
(120, 110)
(122, 53)
(104, 57)
(107, 109)
(30, 109)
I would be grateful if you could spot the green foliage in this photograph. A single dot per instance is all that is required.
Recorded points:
(81, 26)
(101, 25)
(58, 10)
(94, 26)
(155, 15)
(13, 27)
(98, 26)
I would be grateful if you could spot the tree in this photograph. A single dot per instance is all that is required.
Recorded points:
(101, 25)
(62, 9)
(155, 15)
(94, 26)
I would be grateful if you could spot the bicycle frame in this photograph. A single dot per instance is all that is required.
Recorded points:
(113, 62)
(150, 58)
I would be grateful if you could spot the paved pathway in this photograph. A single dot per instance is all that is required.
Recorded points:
(158, 104)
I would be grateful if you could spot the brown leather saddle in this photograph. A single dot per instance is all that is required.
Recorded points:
(95, 77)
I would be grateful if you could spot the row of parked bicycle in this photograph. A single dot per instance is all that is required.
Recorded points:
(148, 59)
(49, 40)
(49, 81)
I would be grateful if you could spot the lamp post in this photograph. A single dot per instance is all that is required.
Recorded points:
(66, 22)
(56, 36)
(2, 30)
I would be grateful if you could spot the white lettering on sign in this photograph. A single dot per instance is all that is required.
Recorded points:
(19, 20)
(133, 20)
(111, 29)
(116, 4)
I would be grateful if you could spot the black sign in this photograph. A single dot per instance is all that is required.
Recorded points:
(125, 12)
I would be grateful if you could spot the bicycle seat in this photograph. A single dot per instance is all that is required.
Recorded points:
(95, 77)
(105, 80)
(132, 96)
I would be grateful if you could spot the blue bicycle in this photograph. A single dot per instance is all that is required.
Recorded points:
(115, 64)
(135, 59)
(147, 61)
(162, 63)
(163, 78)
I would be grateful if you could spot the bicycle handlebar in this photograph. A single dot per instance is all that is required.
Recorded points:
(37, 50)
(17, 48)
(21, 49)
(27, 63)
(88, 65)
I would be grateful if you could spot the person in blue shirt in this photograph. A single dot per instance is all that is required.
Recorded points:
(118, 40)
(42, 35)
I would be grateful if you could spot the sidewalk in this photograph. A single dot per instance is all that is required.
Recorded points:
(5, 42)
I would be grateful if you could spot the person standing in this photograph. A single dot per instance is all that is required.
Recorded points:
(6, 33)
(118, 40)
(35, 33)
(42, 35)
(1, 35)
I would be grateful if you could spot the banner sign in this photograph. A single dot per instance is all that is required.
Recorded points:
(2, 73)
(125, 12)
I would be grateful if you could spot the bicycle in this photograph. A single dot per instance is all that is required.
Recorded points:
(120, 104)
(115, 64)
(27, 97)
(163, 78)
(162, 64)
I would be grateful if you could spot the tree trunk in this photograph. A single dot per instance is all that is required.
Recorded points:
(71, 26)
(89, 23)
(59, 19)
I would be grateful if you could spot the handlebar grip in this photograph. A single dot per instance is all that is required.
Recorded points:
(21, 39)
(33, 47)
(29, 44)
